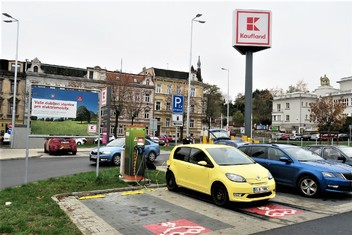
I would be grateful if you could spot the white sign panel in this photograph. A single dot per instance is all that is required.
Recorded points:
(92, 128)
(177, 118)
(54, 108)
(252, 28)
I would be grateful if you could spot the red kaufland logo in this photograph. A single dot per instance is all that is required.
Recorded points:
(251, 23)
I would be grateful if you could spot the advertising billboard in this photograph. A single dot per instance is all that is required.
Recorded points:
(61, 111)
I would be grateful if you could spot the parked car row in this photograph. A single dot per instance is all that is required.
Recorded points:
(225, 170)
(312, 137)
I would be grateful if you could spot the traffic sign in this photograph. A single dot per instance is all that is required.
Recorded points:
(177, 103)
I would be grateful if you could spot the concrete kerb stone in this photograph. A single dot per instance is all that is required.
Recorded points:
(85, 219)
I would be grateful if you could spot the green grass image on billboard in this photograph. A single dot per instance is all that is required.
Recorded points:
(67, 127)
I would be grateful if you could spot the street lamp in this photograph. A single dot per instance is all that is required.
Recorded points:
(190, 72)
(228, 99)
(11, 20)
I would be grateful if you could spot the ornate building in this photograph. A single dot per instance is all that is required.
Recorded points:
(168, 83)
(7, 72)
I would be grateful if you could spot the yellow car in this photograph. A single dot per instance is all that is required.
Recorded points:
(223, 172)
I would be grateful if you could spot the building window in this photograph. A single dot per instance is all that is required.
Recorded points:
(157, 119)
(168, 106)
(278, 107)
(178, 90)
(287, 118)
(91, 74)
(158, 88)
(287, 105)
(191, 123)
(35, 69)
(167, 122)
(157, 105)
(192, 108)
(193, 92)
(147, 82)
(147, 98)
(306, 116)
(9, 111)
(138, 96)
(146, 114)
(13, 66)
(168, 89)
(12, 87)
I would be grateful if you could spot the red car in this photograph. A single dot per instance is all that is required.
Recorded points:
(285, 137)
(168, 138)
(57, 145)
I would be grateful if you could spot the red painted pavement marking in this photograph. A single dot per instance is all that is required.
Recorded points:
(177, 227)
(274, 211)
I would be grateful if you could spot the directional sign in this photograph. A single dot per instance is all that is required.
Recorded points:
(177, 103)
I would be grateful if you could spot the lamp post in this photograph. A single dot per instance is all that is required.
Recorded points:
(11, 20)
(190, 72)
(228, 99)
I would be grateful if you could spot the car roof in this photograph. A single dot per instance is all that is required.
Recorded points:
(205, 146)
(274, 145)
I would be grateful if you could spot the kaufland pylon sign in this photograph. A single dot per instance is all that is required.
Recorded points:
(251, 30)
(251, 33)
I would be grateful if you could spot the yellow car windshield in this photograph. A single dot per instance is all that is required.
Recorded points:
(229, 156)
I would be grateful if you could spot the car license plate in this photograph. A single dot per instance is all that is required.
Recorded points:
(64, 142)
(261, 189)
(93, 157)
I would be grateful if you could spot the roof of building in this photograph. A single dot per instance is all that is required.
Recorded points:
(170, 74)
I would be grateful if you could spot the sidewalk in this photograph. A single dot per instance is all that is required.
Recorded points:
(9, 153)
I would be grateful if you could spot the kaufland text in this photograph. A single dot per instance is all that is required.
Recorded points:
(253, 35)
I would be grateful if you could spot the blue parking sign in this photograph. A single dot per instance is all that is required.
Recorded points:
(177, 103)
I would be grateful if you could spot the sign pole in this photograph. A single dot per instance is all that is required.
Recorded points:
(248, 94)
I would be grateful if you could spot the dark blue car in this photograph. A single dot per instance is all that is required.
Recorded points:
(233, 143)
(302, 169)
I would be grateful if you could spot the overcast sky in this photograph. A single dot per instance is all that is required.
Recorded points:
(309, 38)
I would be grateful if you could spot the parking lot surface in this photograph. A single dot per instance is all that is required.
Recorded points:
(159, 211)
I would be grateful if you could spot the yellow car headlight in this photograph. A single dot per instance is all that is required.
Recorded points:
(270, 176)
(235, 178)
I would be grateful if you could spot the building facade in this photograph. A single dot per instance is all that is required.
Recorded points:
(7, 82)
(291, 112)
(169, 83)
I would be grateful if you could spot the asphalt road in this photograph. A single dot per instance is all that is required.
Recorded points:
(12, 172)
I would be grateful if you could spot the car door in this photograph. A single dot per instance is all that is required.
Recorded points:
(333, 154)
(181, 165)
(197, 176)
(258, 153)
(284, 172)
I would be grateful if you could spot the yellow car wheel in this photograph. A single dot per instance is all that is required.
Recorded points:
(171, 181)
(219, 194)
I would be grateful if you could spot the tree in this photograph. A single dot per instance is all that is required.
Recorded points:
(238, 118)
(83, 114)
(134, 102)
(301, 86)
(239, 103)
(262, 107)
(328, 113)
(212, 102)
(118, 97)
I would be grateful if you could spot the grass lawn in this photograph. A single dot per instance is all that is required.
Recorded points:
(33, 211)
